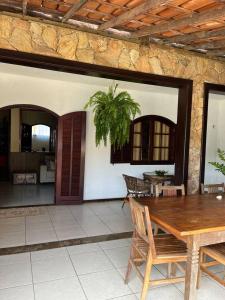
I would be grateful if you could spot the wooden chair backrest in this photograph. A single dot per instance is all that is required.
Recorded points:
(142, 224)
(212, 188)
(171, 190)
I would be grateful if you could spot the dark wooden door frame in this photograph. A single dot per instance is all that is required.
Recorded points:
(36, 108)
(183, 85)
(215, 89)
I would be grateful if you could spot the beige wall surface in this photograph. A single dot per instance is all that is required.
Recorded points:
(35, 37)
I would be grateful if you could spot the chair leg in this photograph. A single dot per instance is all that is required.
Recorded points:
(201, 259)
(173, 270)
(125, 200)
(156, 229)
(146, 278)
(129, 267)
(169, 268)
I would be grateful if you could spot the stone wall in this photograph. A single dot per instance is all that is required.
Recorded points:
(41, 38)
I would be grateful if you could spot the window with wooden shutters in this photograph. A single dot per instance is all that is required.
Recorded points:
(152, 141)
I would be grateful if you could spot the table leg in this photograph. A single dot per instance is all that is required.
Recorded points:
(193, 246)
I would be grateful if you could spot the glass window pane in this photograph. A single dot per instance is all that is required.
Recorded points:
(166, 154)
(157, 140)
(136, 153)
(157, 128)
(137, 139)
(156, 154)
(165, 129)
(137, 127)
(165, 140)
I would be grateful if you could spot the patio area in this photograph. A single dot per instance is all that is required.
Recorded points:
(86, 272)
(58, 223)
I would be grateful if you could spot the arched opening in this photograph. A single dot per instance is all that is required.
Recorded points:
(28, 140)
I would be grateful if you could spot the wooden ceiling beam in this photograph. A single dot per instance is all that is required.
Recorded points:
(208, 45)
(220, 52)
(188, 38)
(196, 18)
(75, 7)
(133, 13)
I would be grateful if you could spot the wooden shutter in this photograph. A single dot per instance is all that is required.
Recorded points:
(119, 156)
(70, 158)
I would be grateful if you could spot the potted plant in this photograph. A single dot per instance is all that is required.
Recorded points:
(113, 113)
(220, 167)
(160, 173)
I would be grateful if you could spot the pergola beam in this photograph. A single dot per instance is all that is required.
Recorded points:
(24, 4)
(133, 13)
(214, 53)
(75, 7)
(197, 18)
(208, 45)
(196, 36)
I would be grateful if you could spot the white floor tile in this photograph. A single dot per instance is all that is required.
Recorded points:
(52, 269)
(114, 244)
(13, 275)
(12, 239)
(168, 292)
(15, 259)
(66, 289)
(40, 236)
(37, 219)
(104, 285)
(97, 228)
(48, 254)
(85, 248)
(90, 262)
(70, 232)
(119, 256)
(209, 290)
(134, 282)
(17, 293)
(128, 297)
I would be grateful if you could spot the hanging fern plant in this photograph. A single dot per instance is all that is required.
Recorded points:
(113, 114)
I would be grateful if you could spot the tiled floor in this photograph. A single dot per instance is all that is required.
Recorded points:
(85, 272)
(65, 222)
(12, 195)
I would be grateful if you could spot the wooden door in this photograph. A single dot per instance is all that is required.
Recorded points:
(70, 158)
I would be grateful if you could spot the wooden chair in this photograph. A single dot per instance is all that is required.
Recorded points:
(217, 253)
(136, 187)
(212, 188)
(168, 191)
(159, 249)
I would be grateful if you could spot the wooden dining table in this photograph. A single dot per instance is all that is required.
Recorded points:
(198, 220)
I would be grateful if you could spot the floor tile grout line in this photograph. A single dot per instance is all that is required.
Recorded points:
(53, 227)
(76, 274)
(32, 275)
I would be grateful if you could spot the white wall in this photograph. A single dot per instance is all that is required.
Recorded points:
(215, 136)
(64, 93)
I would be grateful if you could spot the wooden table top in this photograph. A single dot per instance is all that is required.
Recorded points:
(187, 215)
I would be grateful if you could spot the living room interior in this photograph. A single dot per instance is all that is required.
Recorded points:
(28, 144)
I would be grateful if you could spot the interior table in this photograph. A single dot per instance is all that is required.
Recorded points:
(198, 220)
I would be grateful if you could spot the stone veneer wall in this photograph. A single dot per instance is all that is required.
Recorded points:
(41, 38)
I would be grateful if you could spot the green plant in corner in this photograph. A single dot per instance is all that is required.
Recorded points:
(113, 113)
(220, 167)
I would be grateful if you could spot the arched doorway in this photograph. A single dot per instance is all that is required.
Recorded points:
(28, 138)
(43, 149)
